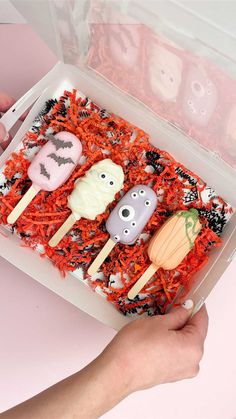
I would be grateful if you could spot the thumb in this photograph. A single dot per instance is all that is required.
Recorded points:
(3, 132)
(5, 137)
(177, 318)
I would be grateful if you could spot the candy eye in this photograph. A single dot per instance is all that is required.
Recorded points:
(110, 183)
(126, 231)
(203, 112)
(197, 89)
(133, 224)
(126, 213)
(142, 192)
(147, 203)
(134, 195)
(117, 238)
(103, 176)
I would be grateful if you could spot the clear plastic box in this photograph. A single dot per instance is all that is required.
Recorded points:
(144, 61)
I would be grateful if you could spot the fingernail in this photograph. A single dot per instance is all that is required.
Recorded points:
(188, 304)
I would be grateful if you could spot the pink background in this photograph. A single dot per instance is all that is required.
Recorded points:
(44, 338)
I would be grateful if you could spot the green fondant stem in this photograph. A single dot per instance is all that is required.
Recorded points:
(192, 215)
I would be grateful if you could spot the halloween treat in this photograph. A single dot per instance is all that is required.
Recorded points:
(165, 70)
(169, 246)
(200, 97)
(91, 195)
(50, 168)
(127, 220)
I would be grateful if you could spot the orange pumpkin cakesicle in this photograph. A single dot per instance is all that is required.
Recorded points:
(169, 245)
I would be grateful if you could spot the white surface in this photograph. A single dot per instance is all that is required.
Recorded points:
(9, 14)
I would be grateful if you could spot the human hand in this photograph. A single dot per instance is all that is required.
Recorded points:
(160, 349)
(144, 353)
(6, 102)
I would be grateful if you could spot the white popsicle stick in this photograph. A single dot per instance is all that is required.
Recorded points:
(142, 281)
(22, 204)
(66, 226)
(101, 257)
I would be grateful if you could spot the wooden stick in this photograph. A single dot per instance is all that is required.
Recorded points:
(66, 226)
(142, 281)
(22, 204)
(101, 257)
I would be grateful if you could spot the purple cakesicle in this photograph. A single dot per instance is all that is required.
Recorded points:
(131, 214)
(127, 220)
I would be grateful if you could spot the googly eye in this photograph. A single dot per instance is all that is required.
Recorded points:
(209, 92)
(171, 80)
(162, 71)
(109, 181)
(134, 195)
(103, 176)
(147, 203)
(126, 231)
(117, 238)
(197, 88)
(133, 224)
(142, 192)
(126, 213)
(190, 103)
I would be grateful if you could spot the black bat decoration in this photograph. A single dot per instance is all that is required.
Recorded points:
(60, 160)
(59, 143)
(43, 171)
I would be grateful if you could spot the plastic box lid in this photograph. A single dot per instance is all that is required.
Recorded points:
(177, 58)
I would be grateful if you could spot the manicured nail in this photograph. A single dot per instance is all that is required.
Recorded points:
(188, 304)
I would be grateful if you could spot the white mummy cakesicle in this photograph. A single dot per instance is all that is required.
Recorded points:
(91, 195)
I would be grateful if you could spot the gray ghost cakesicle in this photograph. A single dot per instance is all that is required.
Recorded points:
(127, 220)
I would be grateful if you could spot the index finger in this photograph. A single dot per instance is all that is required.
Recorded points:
(198, 324)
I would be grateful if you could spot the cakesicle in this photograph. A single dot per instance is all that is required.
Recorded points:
(92, 194)
(127, 220)
(169, 245)
(50, 168)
